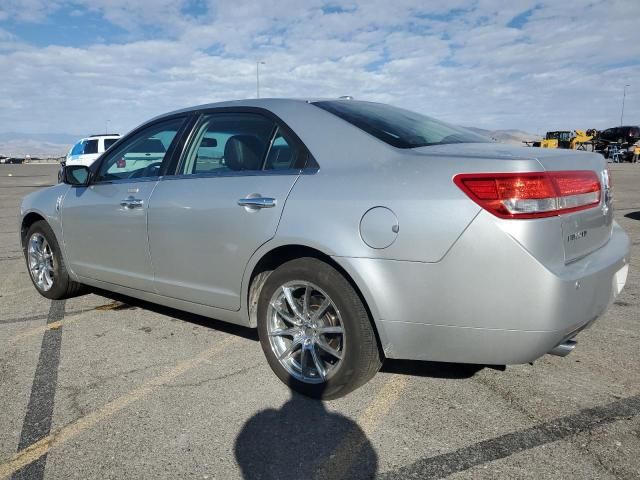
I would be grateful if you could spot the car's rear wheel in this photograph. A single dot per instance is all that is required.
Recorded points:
(46, 265)
(315, 330)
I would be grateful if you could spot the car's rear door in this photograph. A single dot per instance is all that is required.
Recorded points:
(105, 223)
(224, 202)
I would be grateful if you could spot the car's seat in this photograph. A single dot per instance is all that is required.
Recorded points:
(243, 152)
(280, 157)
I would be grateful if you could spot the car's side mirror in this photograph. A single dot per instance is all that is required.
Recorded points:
(76, 175)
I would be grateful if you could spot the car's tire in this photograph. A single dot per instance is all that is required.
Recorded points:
(42, 254)
(327, 376)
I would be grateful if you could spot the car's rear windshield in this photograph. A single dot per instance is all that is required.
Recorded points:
(398, 127)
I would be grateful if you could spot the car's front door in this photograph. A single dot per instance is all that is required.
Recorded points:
(105, 223)
(224, 202)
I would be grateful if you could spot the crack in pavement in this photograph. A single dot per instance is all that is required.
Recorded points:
(42, 316)
(32, 453)
(73, 392)
(508, 396)
(463, 459)
(214, 379)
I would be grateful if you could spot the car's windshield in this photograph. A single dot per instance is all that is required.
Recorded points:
(398, 127)
(77, 148)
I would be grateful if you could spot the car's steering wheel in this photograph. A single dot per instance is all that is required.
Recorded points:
(150, 170)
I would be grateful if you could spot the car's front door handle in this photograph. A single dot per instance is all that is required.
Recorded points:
(257, 202)
(130, 203)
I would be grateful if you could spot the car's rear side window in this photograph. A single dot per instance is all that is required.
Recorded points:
(398, 127)
(284, 154)
(109, 141)
(229, 142)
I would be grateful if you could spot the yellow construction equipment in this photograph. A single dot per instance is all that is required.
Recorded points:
(582, 139)
(574, 139)
(556, 140)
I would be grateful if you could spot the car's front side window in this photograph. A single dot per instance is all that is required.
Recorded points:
(140, 156)
(228, 142)
(90, 147)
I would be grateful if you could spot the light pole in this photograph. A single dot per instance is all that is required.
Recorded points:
(624, 94)
(106, 126)
(258, 63)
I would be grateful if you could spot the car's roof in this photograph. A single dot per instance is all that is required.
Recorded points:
(266, 103)
(97, 137)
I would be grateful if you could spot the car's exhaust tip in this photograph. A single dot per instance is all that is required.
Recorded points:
(563, 349)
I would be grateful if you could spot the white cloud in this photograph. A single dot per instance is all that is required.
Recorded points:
(27, 10)
(563, 68)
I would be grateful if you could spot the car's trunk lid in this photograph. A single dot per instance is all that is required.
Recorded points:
(581, 232)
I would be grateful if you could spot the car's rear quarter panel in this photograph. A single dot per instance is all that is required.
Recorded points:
(358, 172)
(488, 301)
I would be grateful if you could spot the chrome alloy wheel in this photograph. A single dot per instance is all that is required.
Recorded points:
(305, 331)
(40, 258)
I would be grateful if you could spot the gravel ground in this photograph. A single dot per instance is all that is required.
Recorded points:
(103, 386)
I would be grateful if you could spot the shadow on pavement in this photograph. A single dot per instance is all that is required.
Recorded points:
(431, 369)
(633, 215)
(401, 367)
(130, 302)
(302, 440)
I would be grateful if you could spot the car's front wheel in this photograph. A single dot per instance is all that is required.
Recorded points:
(46, 265)
(315, 330)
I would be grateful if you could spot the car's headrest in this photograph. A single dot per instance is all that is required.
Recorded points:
(243, 152)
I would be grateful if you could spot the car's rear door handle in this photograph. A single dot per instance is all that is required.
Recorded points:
(131, 203)
(257, 202)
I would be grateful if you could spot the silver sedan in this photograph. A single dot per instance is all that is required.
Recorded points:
(347, 232)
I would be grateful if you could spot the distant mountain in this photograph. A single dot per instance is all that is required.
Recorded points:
(19, 148)
(515, 137)
(41, 145)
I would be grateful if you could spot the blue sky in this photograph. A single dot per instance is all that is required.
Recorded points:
(69, 66)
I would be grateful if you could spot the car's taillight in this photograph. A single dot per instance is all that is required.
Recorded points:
(531, 195)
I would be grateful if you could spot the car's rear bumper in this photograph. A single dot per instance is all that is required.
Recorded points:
(489, 301)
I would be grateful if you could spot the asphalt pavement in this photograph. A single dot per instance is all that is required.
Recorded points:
(105, 386)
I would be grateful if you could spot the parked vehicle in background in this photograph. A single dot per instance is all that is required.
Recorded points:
(619, 139)
(626, 134)
(11, 160)
(87, 150)
(345, 231)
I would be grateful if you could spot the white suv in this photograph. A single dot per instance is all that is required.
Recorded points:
(87, 150)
